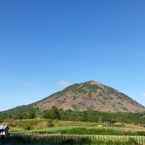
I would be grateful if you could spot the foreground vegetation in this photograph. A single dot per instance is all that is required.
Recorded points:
(82, 131)
(73, 140)
(47, 126)
(57, 127)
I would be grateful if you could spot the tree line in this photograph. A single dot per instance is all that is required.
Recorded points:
(29, 112)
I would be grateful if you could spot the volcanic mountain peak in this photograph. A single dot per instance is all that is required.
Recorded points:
(92, 82)
(91, 95)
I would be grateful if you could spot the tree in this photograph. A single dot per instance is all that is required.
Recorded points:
(53, 113)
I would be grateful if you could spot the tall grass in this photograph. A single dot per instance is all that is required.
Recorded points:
(17, 139)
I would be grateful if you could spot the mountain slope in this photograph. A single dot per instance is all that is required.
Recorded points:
(90, 95)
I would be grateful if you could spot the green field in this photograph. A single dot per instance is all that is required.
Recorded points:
(45, 126)
(56, 132)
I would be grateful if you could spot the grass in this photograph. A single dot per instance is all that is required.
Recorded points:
(45, 123)
(73, 140)
(54, 132)
(44, 126)
(80, 131)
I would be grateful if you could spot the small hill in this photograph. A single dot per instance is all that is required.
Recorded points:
(90, 95)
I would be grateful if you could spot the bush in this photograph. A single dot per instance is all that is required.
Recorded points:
(50, 123)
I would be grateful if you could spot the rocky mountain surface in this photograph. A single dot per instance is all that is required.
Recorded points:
(90, 95)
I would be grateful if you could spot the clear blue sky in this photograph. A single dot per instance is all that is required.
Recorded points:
(48, 44)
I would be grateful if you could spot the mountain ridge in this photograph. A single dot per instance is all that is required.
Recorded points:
(90, 95)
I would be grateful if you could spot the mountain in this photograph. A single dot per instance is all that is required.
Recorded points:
(90, 95)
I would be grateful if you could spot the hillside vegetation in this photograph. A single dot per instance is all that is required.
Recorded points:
(29, 112)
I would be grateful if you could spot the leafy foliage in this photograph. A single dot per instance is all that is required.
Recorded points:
(29, 112)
